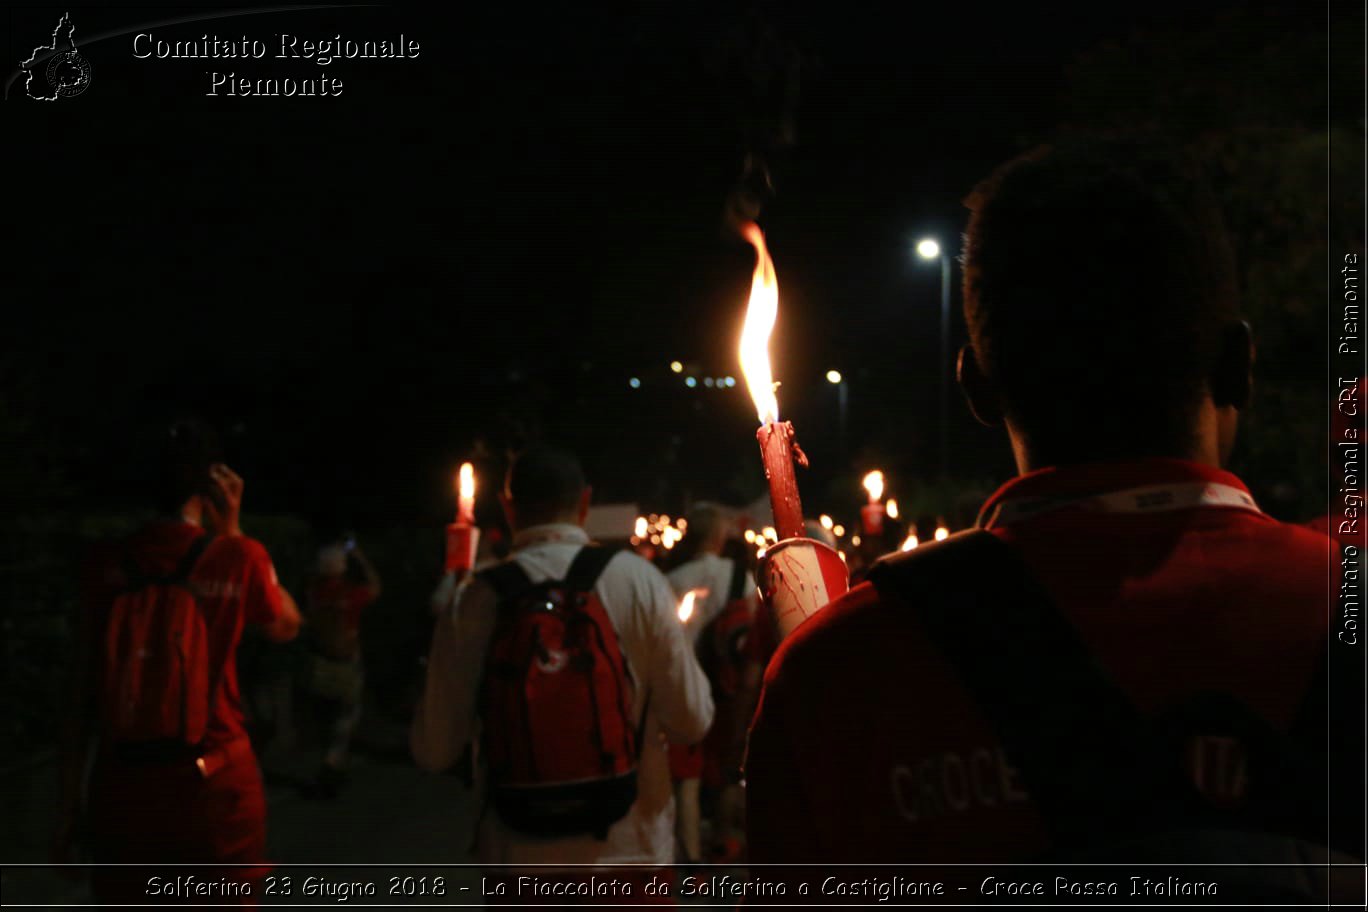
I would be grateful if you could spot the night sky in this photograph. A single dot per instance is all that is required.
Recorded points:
(488, 242)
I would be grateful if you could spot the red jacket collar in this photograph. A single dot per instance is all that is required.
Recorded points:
(1103, 477)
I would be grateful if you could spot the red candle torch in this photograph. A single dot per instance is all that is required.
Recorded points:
(778, 448)
(463, 538)
(872, 513)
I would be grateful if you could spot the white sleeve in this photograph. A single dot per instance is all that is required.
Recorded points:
(677, 688)
(445, 716)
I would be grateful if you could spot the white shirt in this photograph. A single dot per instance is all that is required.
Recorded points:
(641, 607)
(713, 573)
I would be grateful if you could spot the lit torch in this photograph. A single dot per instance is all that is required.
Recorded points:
(686, 604)
(463, 537)
(798, 576)
(465, 494)
(777, 446)
(872, 513)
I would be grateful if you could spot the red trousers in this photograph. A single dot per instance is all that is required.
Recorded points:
(163, 821)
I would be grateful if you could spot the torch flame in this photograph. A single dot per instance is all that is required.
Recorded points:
(874, 484)
(761, 312)
(466, 483)
(892, 508)
(686, 604)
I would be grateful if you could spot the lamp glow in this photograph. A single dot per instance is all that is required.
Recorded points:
(928, 249)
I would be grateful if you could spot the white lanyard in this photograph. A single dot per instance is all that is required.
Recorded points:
(1159, 498)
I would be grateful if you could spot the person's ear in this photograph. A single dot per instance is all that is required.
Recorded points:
(510, 512)
(1232, 378)
(585, 496)
(978, 389)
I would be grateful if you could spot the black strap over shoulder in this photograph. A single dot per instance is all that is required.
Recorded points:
(508, 579)
(738, 580)
(136, 578)
(587, 567)
(1089, 759)
(191, 558)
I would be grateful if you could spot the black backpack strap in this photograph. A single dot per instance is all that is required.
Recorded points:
(508, 580)
(192, 555)
(738, 580)
(136, 578)
(1089, 759)
(587, 567)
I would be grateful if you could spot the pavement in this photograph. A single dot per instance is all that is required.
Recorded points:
(389, 813)
(389, 821)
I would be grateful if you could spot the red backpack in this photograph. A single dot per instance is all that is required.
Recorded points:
(559, 741)
(156, 658)
(723, 644)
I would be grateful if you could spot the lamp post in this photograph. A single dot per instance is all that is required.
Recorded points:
(842, 404)
(929, 249)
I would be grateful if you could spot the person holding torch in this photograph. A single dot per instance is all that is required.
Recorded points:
(1126, 646)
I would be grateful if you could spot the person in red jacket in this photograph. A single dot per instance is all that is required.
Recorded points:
(1099, 294)
(157, 805)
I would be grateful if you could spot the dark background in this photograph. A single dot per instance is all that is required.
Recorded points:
(485, 244)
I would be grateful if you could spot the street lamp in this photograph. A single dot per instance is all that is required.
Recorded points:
(930, 249)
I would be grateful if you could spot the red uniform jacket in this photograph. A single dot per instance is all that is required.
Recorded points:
(866, 749)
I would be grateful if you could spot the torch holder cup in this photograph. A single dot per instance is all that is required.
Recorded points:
(872, 518)
(798, 576)
(462, 541)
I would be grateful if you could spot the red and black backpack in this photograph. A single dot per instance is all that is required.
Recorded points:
(155, 660)
(723, 644)
(559, 740)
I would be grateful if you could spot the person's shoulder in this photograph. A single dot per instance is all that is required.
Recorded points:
(630, 564)
(1279, 545)
(237, 550)
(840, 626)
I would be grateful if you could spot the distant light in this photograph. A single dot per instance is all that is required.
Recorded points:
(708, 382)
(686, 604)
(873, 482)
(664, 519)
(770, 533)
(690, 382)
(841, 555)
(826, 521)
(642, 527)
(749, 536)
(635, 383)
(892, 508)
(910, 542)
(677, 367)
(855, 540)
(730, 381)
(928, 249)
(833, 376)
(838, 530)
(942, 533)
